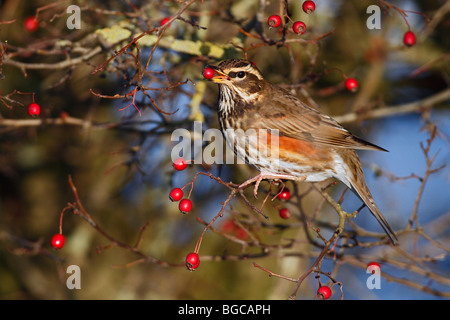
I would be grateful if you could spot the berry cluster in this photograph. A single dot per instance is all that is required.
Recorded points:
(185, 206)
(176, 194)
(284, 194)
(231, 228)
(299, 27)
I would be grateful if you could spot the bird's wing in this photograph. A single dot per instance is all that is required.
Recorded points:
(294, 119)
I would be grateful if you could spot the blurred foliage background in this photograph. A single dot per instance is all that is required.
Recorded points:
(120, 161)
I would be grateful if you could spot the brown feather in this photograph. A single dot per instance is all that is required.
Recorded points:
(311, 145)
(359, 187)
(295, 119)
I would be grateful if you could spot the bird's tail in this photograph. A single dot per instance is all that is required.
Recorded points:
(361, 189)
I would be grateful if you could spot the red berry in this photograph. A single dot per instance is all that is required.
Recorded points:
(208, 73)
(31, 24)
(57, 241)
(299, 27)
(228, 226)
(63, 115)
(324, 292)
(285, 213)
(351, 84)
(284, 194)
(192, 261)
(34, 110)
(241, 234)
(274, 21)
(409, 39)
(185, 206)
(176, 194)
(164, 21)
(180, 164)
(309, 6)
(373, 263)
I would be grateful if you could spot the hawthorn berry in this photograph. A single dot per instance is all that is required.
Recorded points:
(228, 226)
(57, 241)
(324, 292)
(34, 110)
(274, 21)
(30, 24)
(241, 233)
(374, 265)
(180, 164)
(285, 213)
(63, 115)
(164, 21)
(192, 261)
(409, 39)
(299, 27)
(176, 194)
(185, 206)
(284, 194)
(208, 73)
(351, 84)
(309, 6)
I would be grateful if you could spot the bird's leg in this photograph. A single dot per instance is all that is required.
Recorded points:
(263, 175)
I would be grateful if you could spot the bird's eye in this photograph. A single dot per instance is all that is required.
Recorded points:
(240, 74)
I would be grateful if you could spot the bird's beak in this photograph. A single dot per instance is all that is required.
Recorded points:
(219, 75)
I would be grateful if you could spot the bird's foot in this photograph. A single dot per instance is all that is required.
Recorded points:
(270, 176)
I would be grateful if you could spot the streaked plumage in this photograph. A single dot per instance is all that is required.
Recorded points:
(311, 145)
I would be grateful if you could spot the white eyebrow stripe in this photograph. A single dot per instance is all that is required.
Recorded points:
(248, 69)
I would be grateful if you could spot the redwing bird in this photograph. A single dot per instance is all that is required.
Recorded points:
(311, 146)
